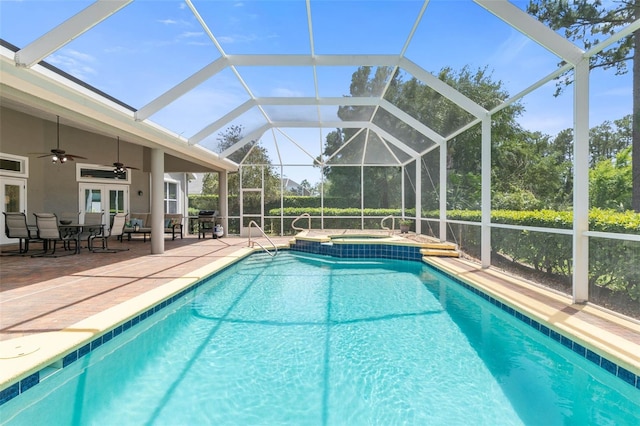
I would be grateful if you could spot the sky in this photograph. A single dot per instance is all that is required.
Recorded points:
(149, 46)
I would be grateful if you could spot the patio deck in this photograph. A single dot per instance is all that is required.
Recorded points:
(39, 295)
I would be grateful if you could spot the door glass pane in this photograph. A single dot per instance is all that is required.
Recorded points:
(92, 200)
(11, 198)
(116, 201)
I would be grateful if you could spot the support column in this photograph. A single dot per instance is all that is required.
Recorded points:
(402, 197)
(223, 200)
(581, 182)
(418, 195)
(157, 201)
(443, 191)
(485, 201)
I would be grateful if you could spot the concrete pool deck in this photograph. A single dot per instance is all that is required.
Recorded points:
(50, 306)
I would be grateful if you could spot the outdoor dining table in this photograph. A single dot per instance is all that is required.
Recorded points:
(77, 230)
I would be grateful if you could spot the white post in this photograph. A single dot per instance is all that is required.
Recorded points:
(157, 201)
(485, 200)
(282, 200)
(223, 200)
(443, 191)
(581, 182)
(402, 199)
(322, 196)
(361, 196)
(418, 195)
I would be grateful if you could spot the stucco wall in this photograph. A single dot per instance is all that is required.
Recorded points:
(53, 187)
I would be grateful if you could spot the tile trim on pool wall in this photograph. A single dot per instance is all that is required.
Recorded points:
(354, 251)
(601, 361)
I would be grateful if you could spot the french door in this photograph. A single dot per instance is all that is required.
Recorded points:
(110, 199)
(13, 191)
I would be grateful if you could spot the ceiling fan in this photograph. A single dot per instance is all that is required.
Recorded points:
(120, 168)
(60, 155)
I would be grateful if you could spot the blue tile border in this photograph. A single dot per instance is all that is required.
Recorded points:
(399, 252)
(355, 251)
(611, 367)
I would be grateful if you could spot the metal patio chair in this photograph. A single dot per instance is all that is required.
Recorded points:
(49, 231)
(92, 227)
(116, 230)
(15, 226)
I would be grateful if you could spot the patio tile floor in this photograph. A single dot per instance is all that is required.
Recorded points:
(48, 294)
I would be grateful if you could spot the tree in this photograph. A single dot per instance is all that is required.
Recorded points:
(210, 184)
(443, 116)
(435, 111)
(256, 166)
(605, 142)
(584, 21)
(610, 182)
(379, 190)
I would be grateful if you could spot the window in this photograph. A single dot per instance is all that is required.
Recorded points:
(97, 173)
(13, 165)
(170, 197)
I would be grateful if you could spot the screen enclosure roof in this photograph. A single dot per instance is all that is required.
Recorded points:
(181, 73)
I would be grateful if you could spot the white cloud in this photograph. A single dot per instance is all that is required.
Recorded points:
(237, 38)
(285, 93)
(74, 62)
(190, 34)
(510, 49)
(168, 21)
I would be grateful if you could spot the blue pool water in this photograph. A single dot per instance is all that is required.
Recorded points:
(311, 340)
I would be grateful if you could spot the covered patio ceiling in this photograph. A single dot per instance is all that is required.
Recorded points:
(195, 68)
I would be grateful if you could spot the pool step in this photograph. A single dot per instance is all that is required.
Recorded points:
(439, 246)
(446, 252)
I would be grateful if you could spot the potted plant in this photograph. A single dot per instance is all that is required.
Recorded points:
(404, 225)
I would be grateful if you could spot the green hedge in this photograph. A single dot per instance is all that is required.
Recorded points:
(614, 265)
(599, 220)
(331, 221)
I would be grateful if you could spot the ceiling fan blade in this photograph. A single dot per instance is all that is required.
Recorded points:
(44, 155)
(123, 165)
(72, 156)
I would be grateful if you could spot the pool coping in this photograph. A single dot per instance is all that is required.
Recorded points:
(22, 372)
(559, 314)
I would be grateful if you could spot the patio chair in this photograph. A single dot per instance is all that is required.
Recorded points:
(15, 226)
(116, 230)
(49, 231)
(93, 226)
(207, 223)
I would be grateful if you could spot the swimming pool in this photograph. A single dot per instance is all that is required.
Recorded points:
(306, 339)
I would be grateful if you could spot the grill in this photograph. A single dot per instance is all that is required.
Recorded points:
(207, 223)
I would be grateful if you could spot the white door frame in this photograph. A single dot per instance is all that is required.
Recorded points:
(104, 189)
(22, 202)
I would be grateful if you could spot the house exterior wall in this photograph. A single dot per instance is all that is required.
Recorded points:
(54, 187)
